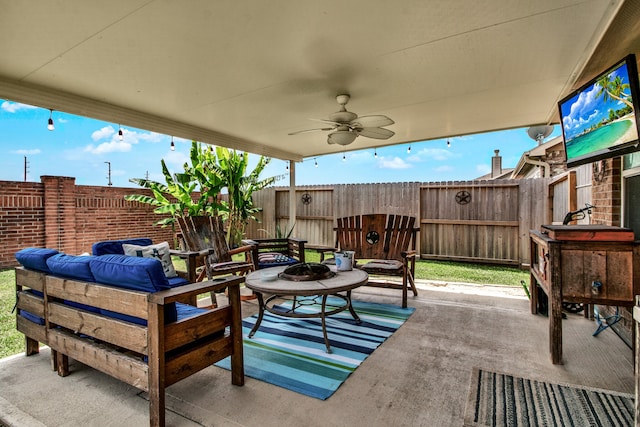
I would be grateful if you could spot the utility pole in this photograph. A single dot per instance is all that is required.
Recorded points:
(26, 168)
(109, 174)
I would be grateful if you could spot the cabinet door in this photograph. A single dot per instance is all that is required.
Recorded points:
(612, 268)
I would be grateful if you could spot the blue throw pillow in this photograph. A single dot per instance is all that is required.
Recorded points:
(35, 258)
(138, 274)
(108, 247)
(71, 267)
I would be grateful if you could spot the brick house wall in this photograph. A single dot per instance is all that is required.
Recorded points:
(56, 213)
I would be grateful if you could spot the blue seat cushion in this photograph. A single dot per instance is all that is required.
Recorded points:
(35, 258)
(32, 317)
(138, 274)
(177, 281)
(171, 314)
(108, 247)
(185, 311)
(71, 267)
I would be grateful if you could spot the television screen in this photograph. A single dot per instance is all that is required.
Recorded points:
(599, 120)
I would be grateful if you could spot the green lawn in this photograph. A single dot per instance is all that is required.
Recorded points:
(12, 342)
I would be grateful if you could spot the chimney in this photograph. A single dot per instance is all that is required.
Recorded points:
(496, 164)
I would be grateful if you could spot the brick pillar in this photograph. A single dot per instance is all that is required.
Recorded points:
(60, 213)
(606, 192)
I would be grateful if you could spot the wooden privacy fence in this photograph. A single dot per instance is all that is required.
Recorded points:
(481, 221)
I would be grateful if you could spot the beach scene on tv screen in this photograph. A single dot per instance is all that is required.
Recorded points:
(601, 116)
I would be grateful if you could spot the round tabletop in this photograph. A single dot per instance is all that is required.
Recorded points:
(342, 281)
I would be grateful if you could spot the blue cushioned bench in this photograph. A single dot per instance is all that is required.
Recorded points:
(119, 314)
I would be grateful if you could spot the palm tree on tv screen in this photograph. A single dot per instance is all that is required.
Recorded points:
(613, 89)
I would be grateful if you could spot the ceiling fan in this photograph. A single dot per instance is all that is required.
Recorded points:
(346, 126)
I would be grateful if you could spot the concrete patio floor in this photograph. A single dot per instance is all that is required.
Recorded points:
(418, 377)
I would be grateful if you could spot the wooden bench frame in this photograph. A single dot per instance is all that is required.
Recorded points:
(173, 351)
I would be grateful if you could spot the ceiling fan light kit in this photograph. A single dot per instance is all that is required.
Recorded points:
(347, 126)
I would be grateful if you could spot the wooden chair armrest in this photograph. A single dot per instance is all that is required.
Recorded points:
(320, 248)
(182, 293)
(412, 253)
(296, 240)
(241, 249)
(187, 254)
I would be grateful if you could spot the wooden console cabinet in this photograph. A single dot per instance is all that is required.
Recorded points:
(590, 264)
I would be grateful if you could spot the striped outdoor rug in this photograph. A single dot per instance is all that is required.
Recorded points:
(503, 400)
(291, 353)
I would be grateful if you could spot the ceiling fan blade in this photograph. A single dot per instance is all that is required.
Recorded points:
(327, 121)
(376, 133)
(372, 121)
(310, 130)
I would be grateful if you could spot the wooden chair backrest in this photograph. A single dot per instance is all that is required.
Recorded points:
(376, 236)
(205, 232)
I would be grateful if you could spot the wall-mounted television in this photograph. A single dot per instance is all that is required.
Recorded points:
(600, 120)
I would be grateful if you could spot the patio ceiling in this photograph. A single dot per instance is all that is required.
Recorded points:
(244, 74)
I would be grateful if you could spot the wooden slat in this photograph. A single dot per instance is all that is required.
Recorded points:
(128, 369)
(30, 279)
(114, 331)
(194, 328)
(31, 330)
(181, 366)
(120, 300)
(31, 303)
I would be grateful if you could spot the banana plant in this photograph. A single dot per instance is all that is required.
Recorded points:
(175, 198)
(239, 208)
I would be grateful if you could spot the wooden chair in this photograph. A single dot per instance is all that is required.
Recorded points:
(388, 242)
(277, 252)
(207, 253)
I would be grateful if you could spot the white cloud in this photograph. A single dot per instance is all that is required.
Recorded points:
(135, 137)
(444, 168)
(104, 133)
(109, 147)
(175, 158)
(393, 163)
(14, 107)
(27, 152)
(439, 154)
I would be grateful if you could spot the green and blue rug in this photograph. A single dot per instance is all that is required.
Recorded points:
(291, 353)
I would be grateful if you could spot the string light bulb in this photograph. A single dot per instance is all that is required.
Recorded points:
(409, 150)
(173, 146)
(120, 134)
(287, 167)
(315, 161)
(50, 123)
(375, 153)
(448, 143)
(344, 157)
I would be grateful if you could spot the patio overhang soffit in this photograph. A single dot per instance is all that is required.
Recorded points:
(245, 74)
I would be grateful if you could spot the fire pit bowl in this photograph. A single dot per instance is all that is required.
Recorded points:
(307, 271)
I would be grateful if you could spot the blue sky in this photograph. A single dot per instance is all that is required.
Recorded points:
(80, 147)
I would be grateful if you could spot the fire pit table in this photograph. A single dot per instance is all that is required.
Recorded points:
(304, 289)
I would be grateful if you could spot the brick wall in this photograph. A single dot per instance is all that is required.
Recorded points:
(606, 192)
(21, 218)
(56, 213)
